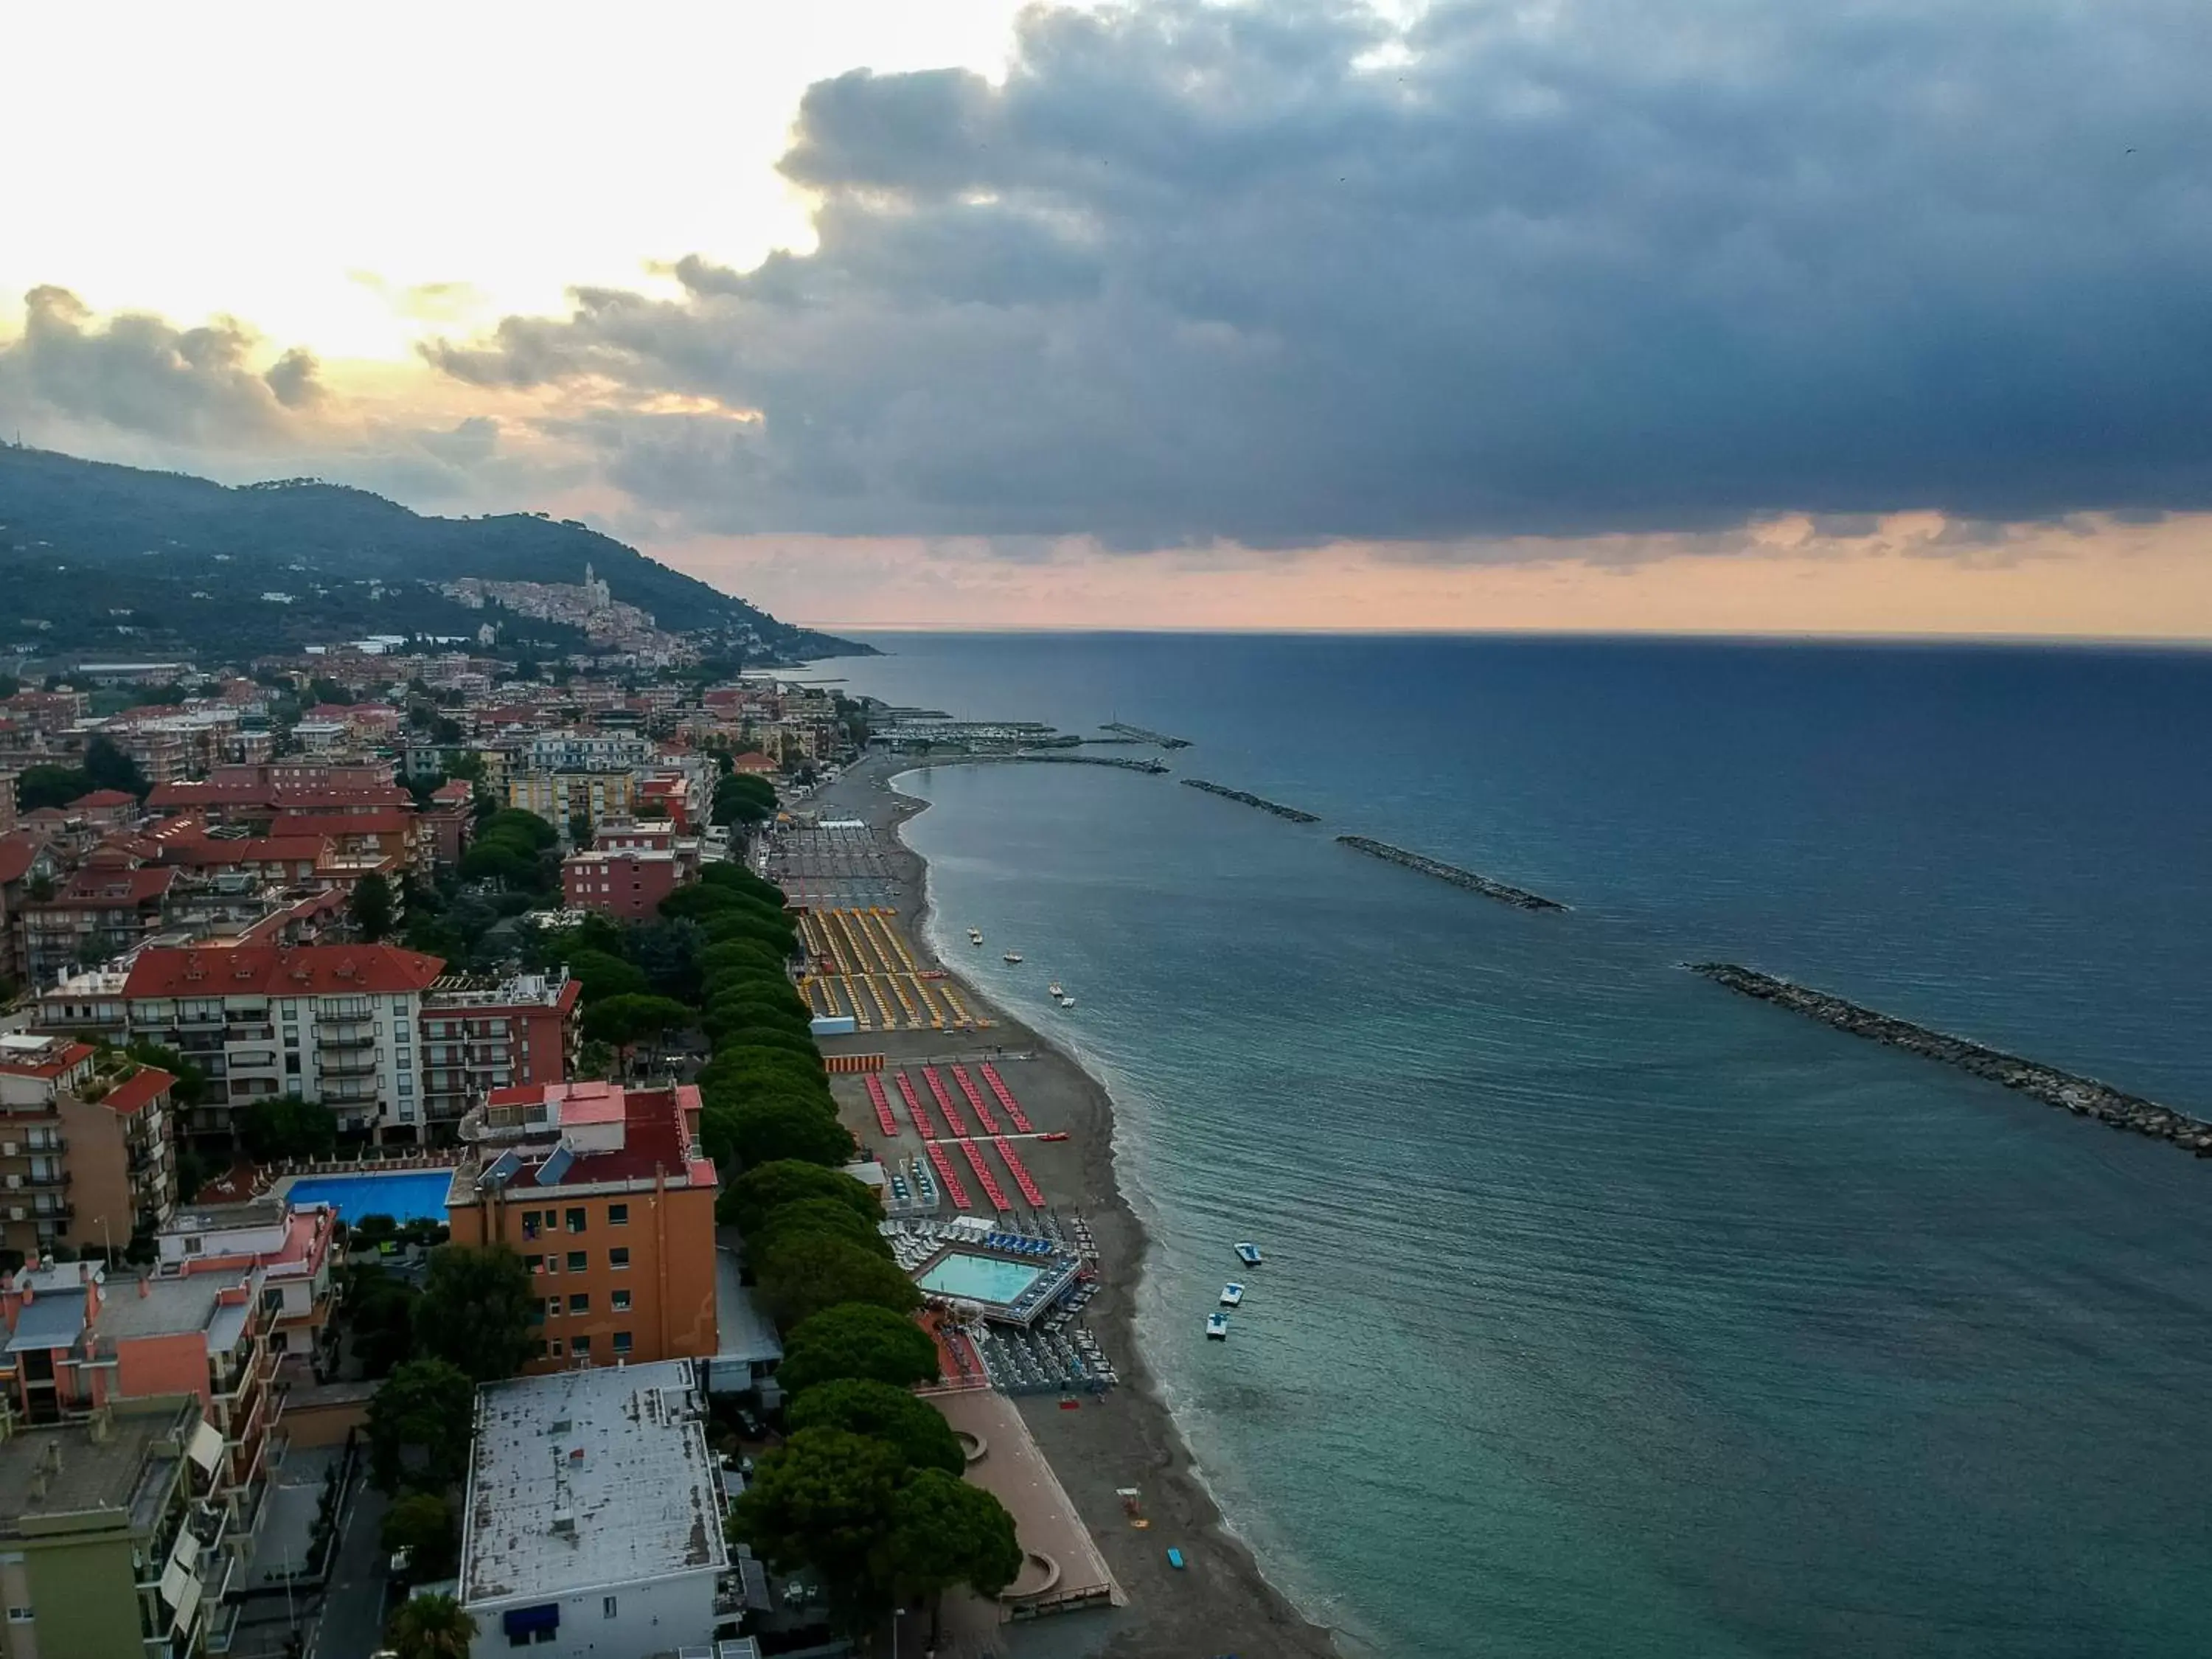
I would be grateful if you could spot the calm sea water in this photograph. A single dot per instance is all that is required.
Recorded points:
(1605, 1312)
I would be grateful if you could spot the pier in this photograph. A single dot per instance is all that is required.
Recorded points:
(1280, 811)
(2084, 1096)
(1519, 898)
(1143, 735)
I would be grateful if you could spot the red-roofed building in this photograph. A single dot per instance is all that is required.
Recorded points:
(100, 912)
(450, 820)
(26, 862)
(117, 809)
(85, 1146)
(605, 1193)
(753, 763)
(330, 1023)
(290, 1244)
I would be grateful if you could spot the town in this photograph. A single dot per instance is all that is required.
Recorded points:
(429, 1227)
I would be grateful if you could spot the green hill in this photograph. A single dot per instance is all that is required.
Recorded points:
(129, 562)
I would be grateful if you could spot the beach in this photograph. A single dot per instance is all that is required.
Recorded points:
(1220, 1602)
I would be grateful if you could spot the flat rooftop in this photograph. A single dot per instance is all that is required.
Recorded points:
(589, 1478)
(49, 1475)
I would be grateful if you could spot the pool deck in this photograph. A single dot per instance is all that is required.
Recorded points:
(319, 1187)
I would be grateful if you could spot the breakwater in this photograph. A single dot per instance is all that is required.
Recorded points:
(1144, 734)
(1123, 762)
(1520, 897)
(1275, 806)
(2084, 1096)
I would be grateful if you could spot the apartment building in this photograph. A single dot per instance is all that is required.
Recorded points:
(287, 1244)
(85, 1146)
(561, 798)
(330, 1023)
(98, 914)
(586, 751)
(482, 1034)
(106, 1547)
(607, 1196)
(79, 1342)
(628, 885)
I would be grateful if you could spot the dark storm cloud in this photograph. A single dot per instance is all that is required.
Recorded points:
(1275, 275)
(142, 376)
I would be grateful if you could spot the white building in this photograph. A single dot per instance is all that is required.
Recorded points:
(329, 1023)
(587, 752)
(593, 1525)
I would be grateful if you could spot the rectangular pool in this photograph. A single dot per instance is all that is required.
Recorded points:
(405, 1196)
(978, 1278)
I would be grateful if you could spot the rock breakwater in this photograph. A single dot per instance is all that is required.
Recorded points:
(1146, 734)
(1265, 806)
(2084, 1096)
(1520, 897)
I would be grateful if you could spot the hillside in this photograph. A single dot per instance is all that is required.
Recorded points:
(132, 562)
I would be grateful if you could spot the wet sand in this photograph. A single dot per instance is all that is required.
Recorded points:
(1221, 1603)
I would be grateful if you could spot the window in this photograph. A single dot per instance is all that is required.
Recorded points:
(618, 1258)
(618, 1215)
(579, 1262)
(535, 1263)
(576, 1221)
(23, 1615)
(579, 1302)
(580, 1348)
(530, 1223)
(552, 1307)
(607, 1606)
(556, 1348)
(622, 1301)
(621, 1341)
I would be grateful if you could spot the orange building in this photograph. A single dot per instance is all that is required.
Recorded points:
(605, 1193)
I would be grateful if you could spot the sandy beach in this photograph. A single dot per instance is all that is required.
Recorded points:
(1221, 1603)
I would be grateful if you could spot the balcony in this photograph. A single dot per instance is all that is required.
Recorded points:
(351, 1037)
(350, 1093)
(52, 1181)
(337, 1027)
(249, 1031)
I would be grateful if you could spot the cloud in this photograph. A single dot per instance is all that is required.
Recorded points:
(140, 374)
(1277, 274)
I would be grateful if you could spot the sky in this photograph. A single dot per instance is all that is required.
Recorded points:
(1877, 316)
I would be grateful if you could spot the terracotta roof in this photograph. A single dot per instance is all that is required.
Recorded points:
(255, 849)
(101, 886)
(16, 853)
(138, 1089)
(52, 1063)
(106, 797)
(274, 970)
(343, 823)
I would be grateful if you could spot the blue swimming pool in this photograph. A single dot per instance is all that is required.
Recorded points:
(978, 1278)
(405, 1196)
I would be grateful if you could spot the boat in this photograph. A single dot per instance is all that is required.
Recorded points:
(1217, 1328)
(1231, 1294)
(1053, 991)
(975, 936)
(1057, 1134)
(1248, 1254)
(1013, 956)
(1175, 1558)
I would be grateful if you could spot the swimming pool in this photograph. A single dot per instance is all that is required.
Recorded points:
(978, 1278)
(405, 1196)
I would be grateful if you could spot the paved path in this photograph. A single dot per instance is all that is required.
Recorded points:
(352, 1622)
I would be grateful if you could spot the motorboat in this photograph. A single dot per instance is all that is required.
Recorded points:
(1217, 1328)
(1012, 955)
(1068, 1002)
(1056, 1134)
(1232, 1293)
(975, 936)
(1248, 1254)
(1053, 991)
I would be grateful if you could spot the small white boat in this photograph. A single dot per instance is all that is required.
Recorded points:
(1068, 1002)
(1012, 955)
(1231, 1294)
(1217, 1328)
(1053, 991)
(1248, 1254)
(975, 936)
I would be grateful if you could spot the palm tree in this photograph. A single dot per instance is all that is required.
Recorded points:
(432, 1627)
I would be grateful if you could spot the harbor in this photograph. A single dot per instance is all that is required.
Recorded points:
(1519, 898)
(2084, 1096)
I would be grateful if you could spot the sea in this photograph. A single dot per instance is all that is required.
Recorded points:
(1604, 1311)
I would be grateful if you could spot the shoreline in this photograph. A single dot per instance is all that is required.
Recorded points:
(1223, 1599)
